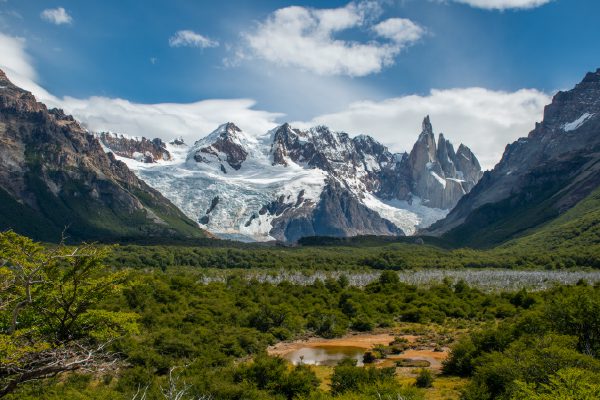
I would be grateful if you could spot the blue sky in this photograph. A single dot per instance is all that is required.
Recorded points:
(129, 50)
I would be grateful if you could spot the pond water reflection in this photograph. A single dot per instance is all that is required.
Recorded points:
(325, 355)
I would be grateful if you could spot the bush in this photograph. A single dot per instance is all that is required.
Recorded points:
(348, 378)
(369, 357)
(424, 378)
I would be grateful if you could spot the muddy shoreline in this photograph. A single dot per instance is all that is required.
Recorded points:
(366, 341)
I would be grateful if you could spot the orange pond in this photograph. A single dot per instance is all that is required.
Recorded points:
(318, 351)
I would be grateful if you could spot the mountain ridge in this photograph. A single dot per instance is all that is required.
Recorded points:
(275, 186)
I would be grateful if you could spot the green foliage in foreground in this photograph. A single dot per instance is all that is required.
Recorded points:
(216, 329)
(566, 384)
(424, 378)
(216, 335)
(49, 322)
(534, 350)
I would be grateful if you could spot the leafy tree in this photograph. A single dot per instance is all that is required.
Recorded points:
(299, 382)
(272, 374)
(566, 384)
(389, 278)
(578, 313)
(529, 359)
(48, 322)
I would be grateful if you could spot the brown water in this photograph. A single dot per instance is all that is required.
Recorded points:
(325, 355)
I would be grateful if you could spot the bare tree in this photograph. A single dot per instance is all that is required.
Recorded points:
(177, 388)
(141, 394)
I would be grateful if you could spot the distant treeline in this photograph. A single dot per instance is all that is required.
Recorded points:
(394, 256)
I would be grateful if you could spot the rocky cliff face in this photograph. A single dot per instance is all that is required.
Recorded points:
(291, 183)
(539, 176)
(440, 178)
(140, 149)
(338, 213)
(55, 177)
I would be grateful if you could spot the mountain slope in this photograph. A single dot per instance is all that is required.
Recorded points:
(539, 177)
(576, 232)
(291, 183)
(55, 177)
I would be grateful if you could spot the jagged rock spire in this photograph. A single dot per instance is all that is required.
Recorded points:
(439, 178)
(426, 126)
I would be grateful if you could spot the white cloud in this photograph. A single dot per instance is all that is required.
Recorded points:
(504, 4)
(187, 38)
(169, 120)
(192, 121)
(400, 30)
(57, 16)
(305, 38)
(17, 65)
(482, 119)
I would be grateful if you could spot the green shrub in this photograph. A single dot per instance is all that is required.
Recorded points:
(424, 378)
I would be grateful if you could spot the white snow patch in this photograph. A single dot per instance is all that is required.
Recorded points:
(407, 216)
(371, 163)
(438, 178)
(571, 126)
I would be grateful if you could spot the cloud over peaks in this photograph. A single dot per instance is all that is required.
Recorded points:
(306, 38)
(400, 30)
(485, 120)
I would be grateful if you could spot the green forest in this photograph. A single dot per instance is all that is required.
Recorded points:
(132, 322)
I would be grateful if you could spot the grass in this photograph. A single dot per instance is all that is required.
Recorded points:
(446, 388)
(578, 228)
(324, 373)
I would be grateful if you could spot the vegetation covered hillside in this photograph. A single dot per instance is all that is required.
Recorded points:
(574, 233)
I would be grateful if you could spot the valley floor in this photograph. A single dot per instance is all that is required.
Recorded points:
(396, 328)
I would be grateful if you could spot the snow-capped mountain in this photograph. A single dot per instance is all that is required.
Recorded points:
(290, 183)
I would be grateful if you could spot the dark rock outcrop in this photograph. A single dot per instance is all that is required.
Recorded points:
(338, 214)
(141, 149)
(432, 172)
(439, 178)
